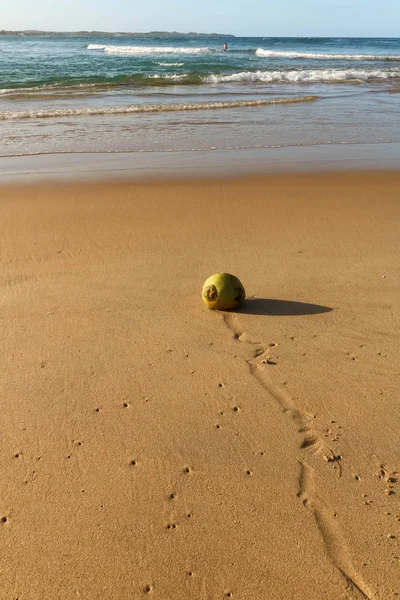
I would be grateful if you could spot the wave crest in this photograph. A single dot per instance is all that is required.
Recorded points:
(148, 49)
(313, 55)
(304, 76)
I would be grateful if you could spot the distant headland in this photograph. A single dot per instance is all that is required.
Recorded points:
(150, 34)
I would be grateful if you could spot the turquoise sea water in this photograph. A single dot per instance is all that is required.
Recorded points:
(127, 94)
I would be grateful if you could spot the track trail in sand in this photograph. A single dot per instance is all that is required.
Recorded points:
(312, 441)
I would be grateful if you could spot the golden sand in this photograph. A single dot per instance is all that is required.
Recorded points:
(152, 448)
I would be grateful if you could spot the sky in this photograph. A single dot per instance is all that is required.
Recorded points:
(364, 18)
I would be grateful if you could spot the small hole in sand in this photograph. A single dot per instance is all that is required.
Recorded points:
(190, 573)
(236, 409)
(248, 472)
(147, 589)
(126, 405)
(218, 426)
(186, 470)
(3, 519)
(189, 515)
(133, 463)
(220, 385)
(171, 496)
(17, 455)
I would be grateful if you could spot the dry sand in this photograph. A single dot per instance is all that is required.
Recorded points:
(152, 448)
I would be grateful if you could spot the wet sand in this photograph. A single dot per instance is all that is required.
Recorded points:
(152, 448)
(107, 166)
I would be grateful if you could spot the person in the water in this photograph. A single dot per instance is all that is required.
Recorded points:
(225, 46)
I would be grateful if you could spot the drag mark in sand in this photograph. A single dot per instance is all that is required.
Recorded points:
(312, 442)
(332, 536)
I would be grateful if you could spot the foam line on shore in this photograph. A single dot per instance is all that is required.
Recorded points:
(149, 108)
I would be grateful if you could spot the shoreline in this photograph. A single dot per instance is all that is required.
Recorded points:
(214, 163)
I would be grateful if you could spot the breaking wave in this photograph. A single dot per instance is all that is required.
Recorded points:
(304, 76)
(312, 55)
(148, 49)
(92, 84)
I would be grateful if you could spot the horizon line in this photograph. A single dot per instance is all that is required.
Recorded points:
(209, 34)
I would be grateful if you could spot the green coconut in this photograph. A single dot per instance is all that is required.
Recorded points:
(223, 291)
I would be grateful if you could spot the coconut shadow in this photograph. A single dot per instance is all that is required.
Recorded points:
(279, 308)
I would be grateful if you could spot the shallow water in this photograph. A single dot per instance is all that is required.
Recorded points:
(122, 94)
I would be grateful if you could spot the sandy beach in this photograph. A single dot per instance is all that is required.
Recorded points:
(152, 448)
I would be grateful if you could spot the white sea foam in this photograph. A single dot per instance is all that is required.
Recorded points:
(43, 90)
(312, 55)
(148, 108)
(147, 49)
(327, 76)
(172, 76)
(168, 64)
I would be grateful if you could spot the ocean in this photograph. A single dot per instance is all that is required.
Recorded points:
(121, 94)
